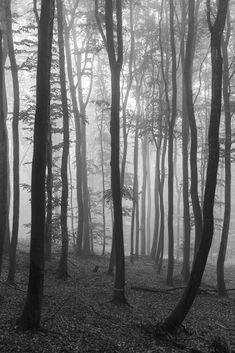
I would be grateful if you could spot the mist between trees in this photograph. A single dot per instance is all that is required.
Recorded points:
(117, 139)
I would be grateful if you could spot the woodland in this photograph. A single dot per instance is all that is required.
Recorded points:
(116, 165)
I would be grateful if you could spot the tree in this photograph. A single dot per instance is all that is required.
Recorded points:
(185, 141)
(115, 67)
(177, 316)
(15, 132)
(3, 159)
(78, 132)
(62, 269)
(227, 197)
(188, 65)
(30, 318)
(172, 119)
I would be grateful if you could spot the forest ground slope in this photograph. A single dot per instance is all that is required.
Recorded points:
(78, 314)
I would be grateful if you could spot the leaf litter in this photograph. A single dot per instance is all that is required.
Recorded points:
(79, 316)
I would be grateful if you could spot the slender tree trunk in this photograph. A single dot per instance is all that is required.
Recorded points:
(143, 200)
(30, 318)
(129, 84)
(177, 316)
(62, 270)
(15, 132)
(77, 145)
(170, 268)
(136, 177)
(160, 249)
(188, 67)
(148, 226)
(185, 142)
(3, 159)
(156, 203)
(86, 237)
(48, 233)
(227, 199)
(103, 185)
(71, 201)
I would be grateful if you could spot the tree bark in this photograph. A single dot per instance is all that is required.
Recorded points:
(3, 160)
(188, 65)
(170, 267)
(77, 144)
(227, 197)
(143, 200)
(62, 270)
(30, 318)
(177, 316)
(115, 66)
(15, 133)
(49, 186)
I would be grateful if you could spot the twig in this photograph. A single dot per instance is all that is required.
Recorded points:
(59, 308)
(224, 327)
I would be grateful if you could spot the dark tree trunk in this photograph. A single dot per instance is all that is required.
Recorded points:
(49, 186)
(188, 64)
(156, 204)
(130, 79)
(136, 177)
(77, 145)
(170, 268)
(177, 316)
(160, 248)
(115, 66)
(227, 198)
(62, 270)
(149, 202)
(185, 142)
(15, 132)
(143, 200)
(30, 318)
(3, 160)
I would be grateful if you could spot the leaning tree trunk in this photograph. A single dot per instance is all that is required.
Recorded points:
(30, 318)
(177, 316)
(227, 198)
(15, 132)
(62, 270)
(3, 160)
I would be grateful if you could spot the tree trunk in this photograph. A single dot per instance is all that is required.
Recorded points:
(227, 198)
(15, 132)
(77, 145)
(62, 270)
(130, 79)
(156, 204)
(185, 141)
(115, 66)
(170, 268)
(143, 200)
(177, 316)
(188, 67)
(30, 318)
(148, 227)
(3, 160)
(160, 249)
(49, 186)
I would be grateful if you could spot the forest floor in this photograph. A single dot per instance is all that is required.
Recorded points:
(80, 317)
